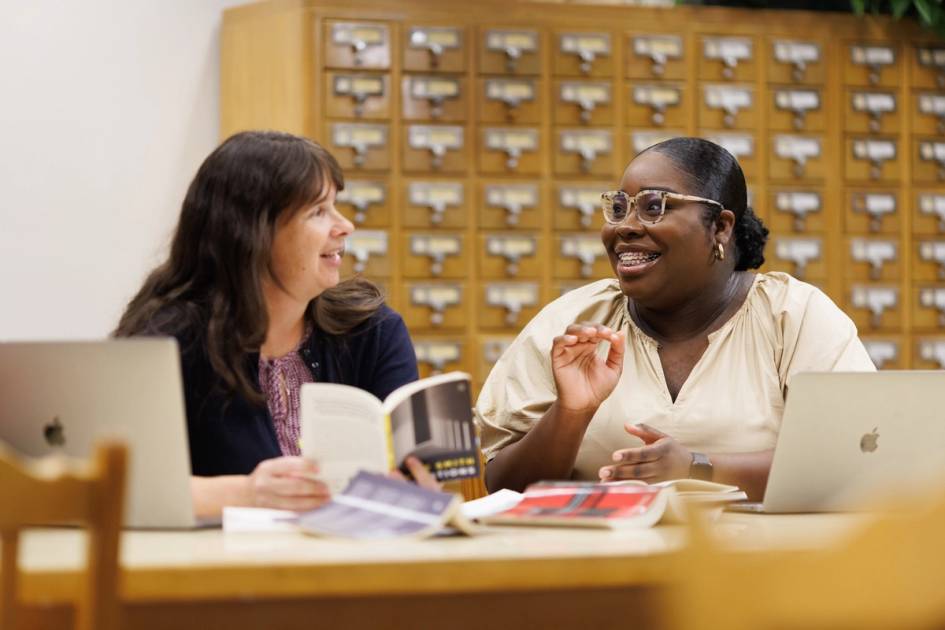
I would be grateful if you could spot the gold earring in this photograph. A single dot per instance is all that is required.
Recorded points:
(719, 251)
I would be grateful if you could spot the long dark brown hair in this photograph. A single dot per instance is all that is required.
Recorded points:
(210, 288)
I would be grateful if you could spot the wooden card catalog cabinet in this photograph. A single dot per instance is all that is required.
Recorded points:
(509, 256)
(434, 49)
(435, 147)
(436, 255)
(509, 304)
(929, 261)
(584, 54)
(360, 95)
(930, 213)
(361, 146)
(872, 64)
(929, 313)
(884, 353)
(875, 307)
(929, 66)
(871, 111)
(433, 97)
(931, 354)
(657, 104)
(357, 44)
(930, 162)
(727, 106)
(740, 145)
(434, 305)
(796, 157)
(584, 102)
(365, 202)
(652, 56)
(871, 159)
(873, 259)
(929, 113)
(510, 206)
(435, 204)
(510, 51)
(510, 100)
(730, 58)
(795, 61)
(868, 211)
(510, 150)
(797, 211)
(366, 252)
(581, 256)
(579, 206)
(796, 109)
(584, 152)
(491, 349)
(644, 139)
(802, 257)
(436, 356)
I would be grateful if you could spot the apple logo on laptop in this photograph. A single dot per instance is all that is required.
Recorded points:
(868, 443)
(54, 433)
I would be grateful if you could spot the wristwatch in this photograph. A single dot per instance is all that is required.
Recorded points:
(701, 467)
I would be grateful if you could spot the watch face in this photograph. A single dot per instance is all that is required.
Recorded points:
(701, 467)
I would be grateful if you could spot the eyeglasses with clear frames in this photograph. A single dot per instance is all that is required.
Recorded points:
(650, 205)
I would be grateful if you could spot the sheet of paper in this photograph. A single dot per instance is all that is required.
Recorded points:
(491, 504)
(250, 519)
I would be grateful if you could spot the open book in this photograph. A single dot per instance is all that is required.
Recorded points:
(346, 429)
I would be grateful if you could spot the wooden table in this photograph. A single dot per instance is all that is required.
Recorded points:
(505, 577)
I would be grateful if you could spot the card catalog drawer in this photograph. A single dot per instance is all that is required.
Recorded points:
(928, 260)
(434, 49)
(655, 56)
(724, 106)
(434, 97)
(929, 110)
(871, 111)
(797, 210)
(435, 255)
(367, 252)
(929, 217)
(360, 146)
(510, 255)
(577, 205)
(515, 205)
(870, 159)
(796, 61)
(741, 146)
(929, 353)
(357, 44)
(726, 58)
(510, 51)
(642, 139)
(583, 53)
(803, 257)
(929, 165)
(928, 312)
(657, 104)
(584, 152)
(510, 100)
(491, 349)
(434, 305)
(508, 304)
(874, 307)
(364, 95)
(875, 211)
(873, 258)
(886, 351)
(436, 355)
(872, 64)
(510, 150)
(795, 157)
(796, 109)
(580, 255)
(928, 66)
(365, 202)
(583, 103)
(436, 148)
(435, 204)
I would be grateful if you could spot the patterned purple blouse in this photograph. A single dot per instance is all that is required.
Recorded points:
(281, 381)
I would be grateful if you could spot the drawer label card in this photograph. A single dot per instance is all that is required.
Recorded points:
(585, 95)
(932, 56)
(932, 204)
(934, 251)
(437, 196)
(934, 350)
(363, 244)
(798, 54)
(436, 90)
(513, 198)
(435, 247)
(510, 91)
(876, 253)
(799, 251)
(512, 248)
(798, 203)
(741, 145)
(876, 205)
(587, 47)
(359, 37)
(798, 149)
(361, 195)
(588, 144)
(585, 200)
(512, 43)
(659, 98)
(437, 354)
(361, 137)
(587, 249)
(881, 351)
(876, 300)
(729, 50)
(513, 142)
(659, 49)
(436, 39)
(512, 296)
(729, 99)
(436, 139)
(438, 297)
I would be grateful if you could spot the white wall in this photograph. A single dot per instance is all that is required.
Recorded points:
(107, 108)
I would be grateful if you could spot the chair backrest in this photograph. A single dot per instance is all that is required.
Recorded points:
(53, 492)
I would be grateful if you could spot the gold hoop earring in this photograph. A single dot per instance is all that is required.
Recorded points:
(719, 251)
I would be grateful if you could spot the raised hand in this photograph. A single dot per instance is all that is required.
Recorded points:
(583, 379)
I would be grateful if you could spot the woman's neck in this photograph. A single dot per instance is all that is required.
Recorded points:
(286, 322)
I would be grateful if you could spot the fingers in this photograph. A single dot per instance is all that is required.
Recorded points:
(617, 348)
(584, 336)
(645, 432)
(640, 454)
(296, 486)
(288, 465)
(421, 475)
(647, 471)
(287, 483)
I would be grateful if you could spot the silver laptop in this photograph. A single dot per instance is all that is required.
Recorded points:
(62, 397)
(850, 440)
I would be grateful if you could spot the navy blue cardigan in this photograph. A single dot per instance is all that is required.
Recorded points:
(230, 435)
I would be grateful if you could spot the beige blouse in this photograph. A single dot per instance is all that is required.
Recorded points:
(732, 400)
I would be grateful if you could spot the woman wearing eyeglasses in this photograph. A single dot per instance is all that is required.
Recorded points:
(677, 367)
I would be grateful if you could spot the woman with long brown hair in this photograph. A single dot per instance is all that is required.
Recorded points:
(252, 293)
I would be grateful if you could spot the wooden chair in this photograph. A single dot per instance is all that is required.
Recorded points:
(50, 491)
(889, 574)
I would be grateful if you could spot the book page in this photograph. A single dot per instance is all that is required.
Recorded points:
(344, 430)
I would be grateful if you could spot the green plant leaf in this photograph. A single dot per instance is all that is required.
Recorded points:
(925, 11)
(899, 7)
(859, 6)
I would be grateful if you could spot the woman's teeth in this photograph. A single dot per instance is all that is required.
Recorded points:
(637, 258)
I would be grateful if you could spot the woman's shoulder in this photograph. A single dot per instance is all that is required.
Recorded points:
(780, 294)
(600, 302)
